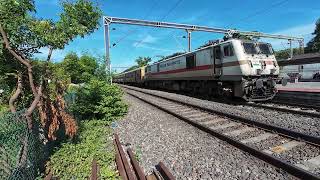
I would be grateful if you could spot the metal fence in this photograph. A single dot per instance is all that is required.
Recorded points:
(20, 149)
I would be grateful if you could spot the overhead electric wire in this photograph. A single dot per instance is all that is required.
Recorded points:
(165, 15)
(173, 7)
(155, 2)
(261, 11)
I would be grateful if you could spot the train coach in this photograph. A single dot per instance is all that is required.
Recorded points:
(240, 68)
(132, 77)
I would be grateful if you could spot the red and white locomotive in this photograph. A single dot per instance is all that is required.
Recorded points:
(234, 67)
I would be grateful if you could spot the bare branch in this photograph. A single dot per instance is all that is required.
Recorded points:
(33, 106)
(20, 58)
(15, 96)
(50, 54)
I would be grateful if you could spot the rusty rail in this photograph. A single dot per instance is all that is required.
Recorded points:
(94, 170)
(124, 161)
(137, 173)
(165, 171)
(138, 170)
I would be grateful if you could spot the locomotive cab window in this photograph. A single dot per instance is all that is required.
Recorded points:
(265, 49)
(228, 51)
(191, 61)
(250, 48)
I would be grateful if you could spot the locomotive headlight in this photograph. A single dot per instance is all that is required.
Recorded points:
(272, 71)
(259, 71)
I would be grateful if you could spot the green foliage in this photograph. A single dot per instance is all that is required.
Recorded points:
(73, 160)
(78, 18)
(99, 100)
(285, 53)
(27, 34)
(138, 153)
(81, 69)
(3, 109)
(314, 44)
(143, 61)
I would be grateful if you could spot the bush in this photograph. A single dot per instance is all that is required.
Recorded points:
(73, 160)
(98, 100)
(3, 109)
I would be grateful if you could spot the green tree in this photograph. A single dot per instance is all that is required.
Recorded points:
(285, 53)
(71, 66)
(23, 35)
(81, 69)
(143, 61)
(314, 44)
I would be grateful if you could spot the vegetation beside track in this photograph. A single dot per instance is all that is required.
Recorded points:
(95, 103)
(70, 102)
(73, 159)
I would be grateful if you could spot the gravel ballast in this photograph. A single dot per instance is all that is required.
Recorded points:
(187, 151)
(299, 123)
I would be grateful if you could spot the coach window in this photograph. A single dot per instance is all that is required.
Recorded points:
(227, 51)
(191, 61)
(158, 67)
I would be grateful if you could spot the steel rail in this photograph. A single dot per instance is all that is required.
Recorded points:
(139, 172)
(280, 130)
(291, 169)
(126, 165)
(119, 162)
(304, 113)
(285, 102)
(166, 174)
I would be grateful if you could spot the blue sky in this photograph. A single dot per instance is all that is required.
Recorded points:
(286, 17)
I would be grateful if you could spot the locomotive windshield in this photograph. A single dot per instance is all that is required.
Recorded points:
(250, 48)
(265, 49)
(257, 48)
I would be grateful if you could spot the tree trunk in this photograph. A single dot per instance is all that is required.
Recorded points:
(15, 96)
(32, 107)
(20, 58)
(26, 62)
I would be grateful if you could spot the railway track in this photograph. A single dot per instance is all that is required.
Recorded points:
(279, 104)
(310, 100)
(294, 152)
(284, 107)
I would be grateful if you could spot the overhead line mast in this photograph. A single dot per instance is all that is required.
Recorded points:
(107, 20)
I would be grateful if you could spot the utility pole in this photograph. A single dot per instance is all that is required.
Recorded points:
(291, 50)
(189, 40)
(107, 47)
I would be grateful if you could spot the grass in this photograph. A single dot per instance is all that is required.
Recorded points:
(73, 160)
(3, 109)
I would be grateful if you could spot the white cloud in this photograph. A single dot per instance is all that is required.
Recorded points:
(146, 40)
(159, 49)
(57, 55)
(297, 31)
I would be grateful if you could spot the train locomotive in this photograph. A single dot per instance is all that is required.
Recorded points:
(233, 67)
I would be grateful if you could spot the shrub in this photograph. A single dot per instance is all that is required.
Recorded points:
(73, 160)
(98, 100)
(3, 109)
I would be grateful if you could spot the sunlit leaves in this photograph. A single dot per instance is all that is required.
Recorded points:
(314, 44)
